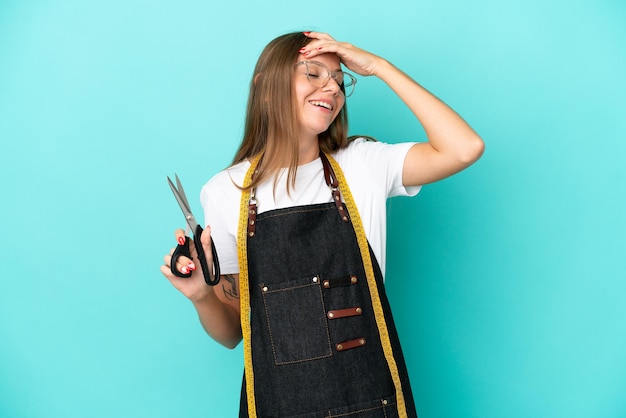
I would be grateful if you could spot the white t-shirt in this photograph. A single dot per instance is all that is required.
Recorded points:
(373, 171)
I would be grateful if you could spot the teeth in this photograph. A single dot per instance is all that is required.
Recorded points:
(322, 104)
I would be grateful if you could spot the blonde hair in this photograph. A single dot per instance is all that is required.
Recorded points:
(271, 126)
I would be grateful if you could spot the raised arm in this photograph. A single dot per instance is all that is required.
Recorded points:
(452, 144)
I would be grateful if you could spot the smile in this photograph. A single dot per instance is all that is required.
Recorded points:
(321, 104)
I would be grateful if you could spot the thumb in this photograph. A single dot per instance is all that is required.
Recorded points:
(205, 239)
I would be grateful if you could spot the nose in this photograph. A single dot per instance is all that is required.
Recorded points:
(332, 85)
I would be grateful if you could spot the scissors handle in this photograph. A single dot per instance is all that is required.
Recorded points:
(211, 276)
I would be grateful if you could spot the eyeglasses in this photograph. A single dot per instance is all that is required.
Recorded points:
(319, 74)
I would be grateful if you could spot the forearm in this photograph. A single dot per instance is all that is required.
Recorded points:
(452, 143)
(220, 320)
(447, 132)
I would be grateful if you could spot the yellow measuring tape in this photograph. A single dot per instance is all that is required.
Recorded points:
(244, 290)
(242, 248)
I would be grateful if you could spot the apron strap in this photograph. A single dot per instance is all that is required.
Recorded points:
(333, 183)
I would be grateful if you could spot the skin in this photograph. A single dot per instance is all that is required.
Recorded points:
(452, 146)
(313, 119)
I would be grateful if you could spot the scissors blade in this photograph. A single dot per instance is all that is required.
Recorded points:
(179, 194)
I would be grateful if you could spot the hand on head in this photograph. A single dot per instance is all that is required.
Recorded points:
(355, 59)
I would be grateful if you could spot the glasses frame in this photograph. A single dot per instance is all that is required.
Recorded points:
(332, 74)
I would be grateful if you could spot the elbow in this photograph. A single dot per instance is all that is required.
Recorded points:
(232, 342)
(472, 151)
(231, 345)
(229, 337)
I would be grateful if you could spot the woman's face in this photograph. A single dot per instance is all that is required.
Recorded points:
(317, 106)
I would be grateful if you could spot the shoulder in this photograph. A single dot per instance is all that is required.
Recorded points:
(375, 164)
(225, 184)
(356, 146)
(230, 177)
(372, 154)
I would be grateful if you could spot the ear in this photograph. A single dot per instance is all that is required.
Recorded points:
(256, 77)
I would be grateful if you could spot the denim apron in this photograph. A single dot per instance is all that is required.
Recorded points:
(319, 339)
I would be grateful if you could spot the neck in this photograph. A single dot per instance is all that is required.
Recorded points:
(309, 151)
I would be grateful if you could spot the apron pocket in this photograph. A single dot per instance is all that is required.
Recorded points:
(296, 320)
(379, 408)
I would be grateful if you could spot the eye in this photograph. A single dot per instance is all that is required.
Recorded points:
(313, 72)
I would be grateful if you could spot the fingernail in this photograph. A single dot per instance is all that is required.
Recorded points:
(307, 53)
(306, 33)
(191, 266)
(184, 270)
(302, 49)
(181, 240)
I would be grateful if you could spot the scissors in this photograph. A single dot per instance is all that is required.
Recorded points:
(211, 276)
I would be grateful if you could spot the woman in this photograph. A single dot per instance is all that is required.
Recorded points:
(299, 225)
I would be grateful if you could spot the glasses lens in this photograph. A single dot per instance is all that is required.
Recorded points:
(348, 84)
(316, 74)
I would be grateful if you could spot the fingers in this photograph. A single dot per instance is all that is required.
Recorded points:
(320, 43)
(319, 35)
(165, 270)
(355, 59)
(184, 265)
(180, 236)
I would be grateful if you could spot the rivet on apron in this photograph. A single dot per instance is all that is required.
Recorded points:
(353, 279)
(385, 402)
(252, 212)
(315, 279)
(265, 288)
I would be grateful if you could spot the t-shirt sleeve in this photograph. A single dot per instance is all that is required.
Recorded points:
(382, 163)
(220, 201)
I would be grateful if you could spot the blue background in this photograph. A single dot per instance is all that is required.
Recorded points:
(507, 280)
